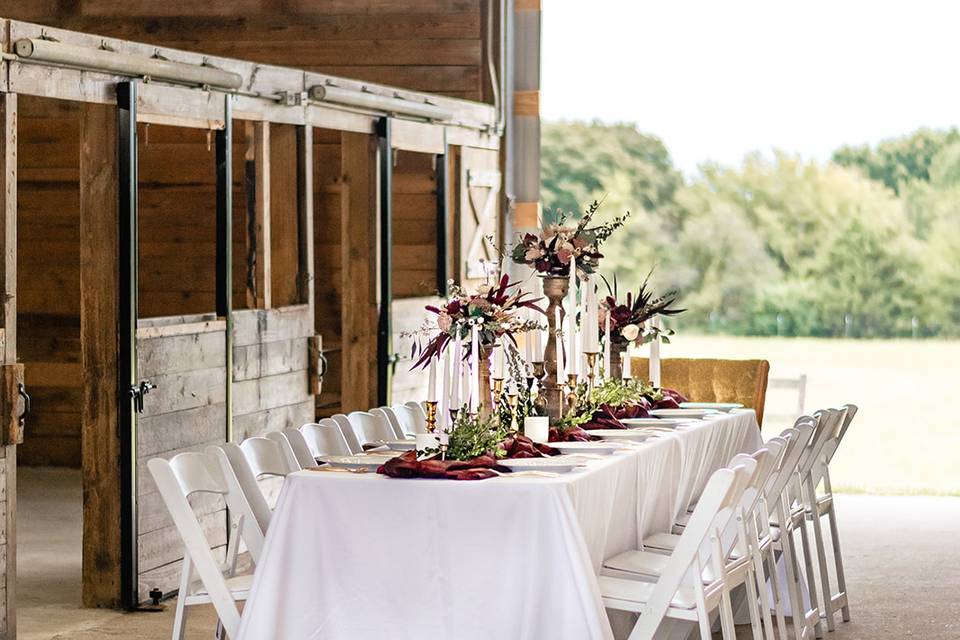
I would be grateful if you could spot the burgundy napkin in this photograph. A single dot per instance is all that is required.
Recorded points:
(607, 417)
(573, 434)
(479, 468)
(671, 399)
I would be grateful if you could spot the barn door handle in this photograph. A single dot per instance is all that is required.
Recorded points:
(22, 390)
(323, 365)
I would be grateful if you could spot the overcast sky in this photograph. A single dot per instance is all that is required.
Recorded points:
(718, 78)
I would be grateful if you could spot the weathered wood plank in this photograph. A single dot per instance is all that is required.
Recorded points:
(99, 298)
(185, 390)
(274, 419)
(163, 546)
(284, 228)
(258, 222)
(269, 358)
(255, 326)
(168, 433)
(179, 353)
(261, 394)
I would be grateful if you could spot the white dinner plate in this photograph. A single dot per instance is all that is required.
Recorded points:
(355, 462)
(597, 448)
(665, 423)
(689, 414)
(633, 435)
(719, 406)
(556, 464)
(401, 445)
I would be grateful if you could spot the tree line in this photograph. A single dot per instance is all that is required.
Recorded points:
(865, 245)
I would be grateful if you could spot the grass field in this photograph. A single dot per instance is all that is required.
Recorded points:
(906, 437)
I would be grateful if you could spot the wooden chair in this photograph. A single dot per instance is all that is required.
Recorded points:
(709, 380)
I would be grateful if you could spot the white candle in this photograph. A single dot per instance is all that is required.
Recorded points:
(432, 380)
(444, 409)
(589, 326)
(655, 354)
(606, 345)
(475, 369)
(457, 369)
(558, 328)
(498, 357)
(528, 340)
(625, 363)
(537, 428)
(573, 360)
(537, 346)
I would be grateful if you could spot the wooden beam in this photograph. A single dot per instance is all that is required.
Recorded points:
(8, 324)
(257, 171)
(305, 213)
(358, 242)
(99, 304)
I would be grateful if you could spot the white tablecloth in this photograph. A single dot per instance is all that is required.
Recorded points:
(358, 556)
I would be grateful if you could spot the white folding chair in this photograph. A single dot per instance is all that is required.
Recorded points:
(178, 479)
(346, 428)
(286, 448)
(325, 438)
(244, 498)
(387, 413)
(680, 591)
(370, 430)
(735, 542)
(301, 450)
(419, 410)
(815, 471)
(412, 419)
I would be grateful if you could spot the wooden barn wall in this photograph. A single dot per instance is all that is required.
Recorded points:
(270, 370)
(186, 412)
(48, 287)
(426, 45)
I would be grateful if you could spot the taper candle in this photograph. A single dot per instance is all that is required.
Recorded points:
(625, 367)
(573, 360)
(561, 370)
(432, 380)
(457, 373)
(444, 417)
(655, 353)
(475, 369)
(606, 344)
(499, 350)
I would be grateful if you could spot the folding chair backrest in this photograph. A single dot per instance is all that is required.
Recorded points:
(234, 457)
(411, 420)
(286, 448)
(268, 457)
(300, 448)
(797, 447)
(369, 428)
(386, 413)
(346, 428)
(325, 438)
(714, 506)
(186, 474)
(418, 410)
(244, 497)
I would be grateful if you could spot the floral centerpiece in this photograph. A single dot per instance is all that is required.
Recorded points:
(628, 319)
(551, 252)
(494, 309)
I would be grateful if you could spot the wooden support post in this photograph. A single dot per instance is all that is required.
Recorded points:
(358, 314)
(257, 176)
(305, 279)
(99, 304)
(8, 323)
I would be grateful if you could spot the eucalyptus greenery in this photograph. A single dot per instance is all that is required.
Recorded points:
(474, 436)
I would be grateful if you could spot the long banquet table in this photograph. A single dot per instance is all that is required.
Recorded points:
(357, 556)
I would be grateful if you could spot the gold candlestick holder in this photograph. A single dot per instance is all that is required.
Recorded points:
(497, 393)
(571, 392)
(513, 399)
(431, 410)
(591, 371)
(540, 401)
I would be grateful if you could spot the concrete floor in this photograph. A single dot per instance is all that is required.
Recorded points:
(901, 554)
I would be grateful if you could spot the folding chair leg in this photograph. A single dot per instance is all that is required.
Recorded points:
(751, 586)
(727, 625)
(838, 560)
(797, 607)
(760, 580)
(771, 563)
(180, 617)
(811, 574)
(219, 633)
(821, 554)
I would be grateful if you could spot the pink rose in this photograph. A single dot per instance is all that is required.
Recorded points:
(532, 254)
(444, 322)
(565, 253)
